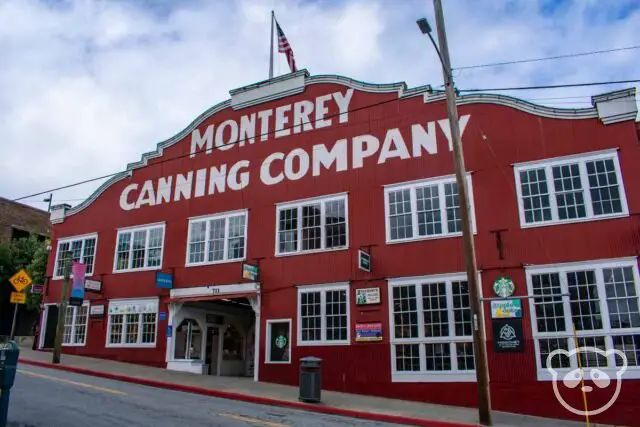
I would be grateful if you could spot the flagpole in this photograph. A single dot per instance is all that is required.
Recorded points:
(273, 18)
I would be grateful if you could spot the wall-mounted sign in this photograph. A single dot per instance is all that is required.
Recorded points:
(364, 260)
(507, 335)
(504, 287)
(367, 296)
(18, 298)
(91, 285)
(250, 272)
(77, 285)
(369, 331)
(37, 289)
(164, 280)
(96, 310)
(163, 315)
(169, 331)
(506, 309)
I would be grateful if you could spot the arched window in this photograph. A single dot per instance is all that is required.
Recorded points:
(188, 339)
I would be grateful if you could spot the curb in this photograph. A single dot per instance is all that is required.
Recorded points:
(372, 416)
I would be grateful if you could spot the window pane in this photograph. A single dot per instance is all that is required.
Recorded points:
(461, 308)
(81, 327)
(336, 224)
(405, 311)
(428, 204)
(197, 241)
(76, 250)
(438, 357)
(115, 334)
(139, 242)
(156, 236)
(148, 328)
(452, 202)
(603, 186)
(630, 346)
(131, 336)
(67, 335)
(535, 196)
(591, 359)
(464, 353)
(585, 303)
(311, 316)
(336, 310)
(236, 237)
(311, 227)
(622, 299)
(63, 255)
(401, 223)
(216, 239)
(124, 243)
(569, 193)
(88, 254)
(434, 302)
(549, 308)
(407, 357)
(288, 230)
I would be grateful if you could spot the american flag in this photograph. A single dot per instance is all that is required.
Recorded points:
(285, 47)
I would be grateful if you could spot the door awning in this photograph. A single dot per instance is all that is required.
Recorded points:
(213, 297)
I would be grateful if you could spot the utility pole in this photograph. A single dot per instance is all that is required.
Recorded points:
(62, 312)
(480, 351)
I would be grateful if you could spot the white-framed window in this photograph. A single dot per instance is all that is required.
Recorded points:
(323, 314)
(75, 325)
(425, 209)
(139, 248)
(312, 225)
(132, 323)
(431, 329)
(570, 189)
(595, 301)
(217, 238)
(80, 249)
(278, 348)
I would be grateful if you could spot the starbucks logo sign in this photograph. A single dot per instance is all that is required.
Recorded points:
(504, 287)
(281, 341)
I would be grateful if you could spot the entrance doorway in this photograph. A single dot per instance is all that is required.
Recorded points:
(49, 330)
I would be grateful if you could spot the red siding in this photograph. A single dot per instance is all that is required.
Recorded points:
(495, 138)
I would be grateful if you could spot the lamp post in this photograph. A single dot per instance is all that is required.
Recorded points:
(480, 352)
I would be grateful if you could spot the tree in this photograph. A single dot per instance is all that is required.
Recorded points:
(30, 254)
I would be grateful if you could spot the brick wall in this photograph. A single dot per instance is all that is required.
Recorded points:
(17, 215)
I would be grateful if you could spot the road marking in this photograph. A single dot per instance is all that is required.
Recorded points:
(252, 420)
(62, 380)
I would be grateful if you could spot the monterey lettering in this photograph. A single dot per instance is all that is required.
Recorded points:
(283, 121)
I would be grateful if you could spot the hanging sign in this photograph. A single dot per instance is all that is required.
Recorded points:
(91, 285)
(506, 309)
(367, 296)
(96, 311)
(164, 280)
(364, 261)
(250, 272)
(507, 335)
(504, 287)
(78, 270)
(37, 289)
(368, 332)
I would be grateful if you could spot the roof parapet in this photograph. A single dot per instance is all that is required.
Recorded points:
(617, 106)
(58, 213)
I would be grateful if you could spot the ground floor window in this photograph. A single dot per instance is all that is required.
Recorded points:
(431, 329)
(595, 303)
(132, 323)
(188, 340)
(278, 346)
(232, 344)
(323, 314)
(75, 325)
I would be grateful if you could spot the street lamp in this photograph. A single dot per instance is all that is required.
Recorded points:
(475, 304)
(48, 199)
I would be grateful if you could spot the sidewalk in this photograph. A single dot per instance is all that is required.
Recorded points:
(245, 389)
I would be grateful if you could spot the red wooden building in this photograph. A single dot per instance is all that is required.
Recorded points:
(297, 175)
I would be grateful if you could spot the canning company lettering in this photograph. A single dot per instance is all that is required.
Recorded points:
(281, 122)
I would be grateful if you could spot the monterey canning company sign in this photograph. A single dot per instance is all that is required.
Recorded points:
(282, 122)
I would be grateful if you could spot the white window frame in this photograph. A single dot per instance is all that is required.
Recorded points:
(344, 286)
(132, 230)
(70, 240)
(74, 325)
(207, 218)
(138, 344)
(298, 204)
(412, 186)
(632, 372)
(267, 352)
(581, 159)
(454, 375)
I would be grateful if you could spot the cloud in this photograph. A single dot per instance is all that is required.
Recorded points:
(88, 86)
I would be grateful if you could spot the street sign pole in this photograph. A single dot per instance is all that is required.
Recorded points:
(13, 323)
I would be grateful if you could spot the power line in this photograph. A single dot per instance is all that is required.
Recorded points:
(547, 58)
(328, 117)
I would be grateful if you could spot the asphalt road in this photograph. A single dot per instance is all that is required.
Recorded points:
(51, 398)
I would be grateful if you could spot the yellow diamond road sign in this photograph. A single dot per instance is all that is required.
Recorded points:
(20, 280)
(18, 298)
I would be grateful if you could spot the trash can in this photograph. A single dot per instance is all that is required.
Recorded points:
(310, 379)
(9, 352)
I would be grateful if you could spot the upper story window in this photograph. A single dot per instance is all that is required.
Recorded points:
(570, 189)
(139, 248)
(323, 314)
(79, 249)
(312, 225)
(597, 301)
(217, 238)
(425, 209)
(431, 329)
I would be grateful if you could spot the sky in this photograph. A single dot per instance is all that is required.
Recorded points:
(87, 86)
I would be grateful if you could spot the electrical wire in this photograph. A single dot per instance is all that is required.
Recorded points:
(547, 58)
(499, 89)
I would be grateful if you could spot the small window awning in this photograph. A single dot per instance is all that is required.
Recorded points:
(213, 297)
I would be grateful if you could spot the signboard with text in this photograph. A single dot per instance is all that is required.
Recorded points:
(364, 260)
(506, 309)
(367, 296)
(507, 335)
(18, 298)
(91, 285)
(368, 332)
(164, 280)
(250, 272)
